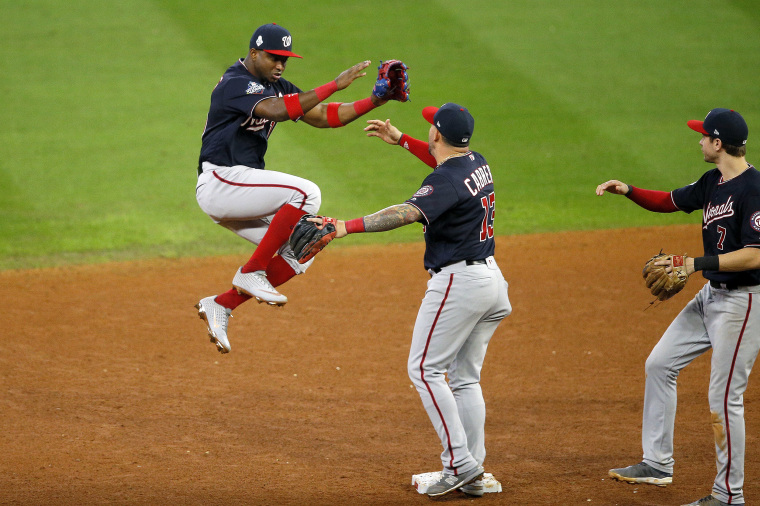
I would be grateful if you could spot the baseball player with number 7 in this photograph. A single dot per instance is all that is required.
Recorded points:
(261, 205)
(723, 317)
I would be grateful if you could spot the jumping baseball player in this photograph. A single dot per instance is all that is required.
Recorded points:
(466, 296)
(260, 205)
(724, 316)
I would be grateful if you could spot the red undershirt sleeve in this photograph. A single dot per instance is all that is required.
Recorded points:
(418, 148)
(652, 200)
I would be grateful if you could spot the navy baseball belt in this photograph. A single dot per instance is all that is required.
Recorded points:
(467, 262)
(727, 286)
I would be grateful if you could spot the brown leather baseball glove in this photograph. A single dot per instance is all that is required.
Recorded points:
(664, 284)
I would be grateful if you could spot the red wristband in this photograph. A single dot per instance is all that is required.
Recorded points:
(293, 106)
(355, 226)
(332, 115)
(326, 90)
(363, 106)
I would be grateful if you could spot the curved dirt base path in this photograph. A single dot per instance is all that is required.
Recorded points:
(112, 394)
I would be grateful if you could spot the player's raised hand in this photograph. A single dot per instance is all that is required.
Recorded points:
(347, 76)
(612, 186)
(383, 130)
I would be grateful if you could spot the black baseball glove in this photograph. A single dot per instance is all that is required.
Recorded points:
(309, 238)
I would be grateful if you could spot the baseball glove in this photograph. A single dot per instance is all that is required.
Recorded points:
(309, 238)
(392, 81)
(661, 283)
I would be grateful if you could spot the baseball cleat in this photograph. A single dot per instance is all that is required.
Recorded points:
(449, 482)
(216, 317)
(474, 488)
(258, 286)
(707, 501)
(642, 473)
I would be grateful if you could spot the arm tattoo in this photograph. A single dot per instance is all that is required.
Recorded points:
(392, 217)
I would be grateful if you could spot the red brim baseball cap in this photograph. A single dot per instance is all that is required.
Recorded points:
(453, 121)
(273, 39)
(697, 126)
(429, 113)
(724, 124)
(283, 53)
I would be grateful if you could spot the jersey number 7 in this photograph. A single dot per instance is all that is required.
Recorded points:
(486, 232)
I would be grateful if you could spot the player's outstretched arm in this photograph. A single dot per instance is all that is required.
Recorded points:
(312, 233)
(308, 104)
(392, 135)
(386, 219)
(392, 217)
(392, 84)
(651, 200)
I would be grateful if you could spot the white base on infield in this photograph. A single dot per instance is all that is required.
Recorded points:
(423, 481)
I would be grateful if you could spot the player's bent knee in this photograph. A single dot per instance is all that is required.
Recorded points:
(313, 199)
(421, 375)
(413, 370)
(461, 385)
(655, 367)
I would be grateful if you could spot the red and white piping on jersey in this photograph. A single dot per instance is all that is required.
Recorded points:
(674, 202)
(725, 397)
(248, 185)
(422, 374)
(421, 212)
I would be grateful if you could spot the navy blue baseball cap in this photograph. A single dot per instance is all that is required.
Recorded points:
(453, 121)
(725, 124)
(274, 39)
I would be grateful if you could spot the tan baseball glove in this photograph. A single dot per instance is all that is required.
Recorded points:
(664, 284)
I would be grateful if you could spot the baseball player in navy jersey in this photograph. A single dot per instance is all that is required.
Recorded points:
(233, 188)
(724, 316)
(466, 296)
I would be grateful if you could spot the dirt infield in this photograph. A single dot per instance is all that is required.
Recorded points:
(112, 394)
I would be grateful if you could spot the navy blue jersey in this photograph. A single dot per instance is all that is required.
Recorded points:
(730, 217)
(457, 204)
(233, 134)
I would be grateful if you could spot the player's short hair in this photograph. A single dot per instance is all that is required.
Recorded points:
(731, 150)
(451, 144)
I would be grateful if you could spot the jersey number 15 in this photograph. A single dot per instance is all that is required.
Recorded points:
(486, 231)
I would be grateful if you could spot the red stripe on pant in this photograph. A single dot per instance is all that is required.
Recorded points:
(725, 397)
(422, 373)
(232, 183)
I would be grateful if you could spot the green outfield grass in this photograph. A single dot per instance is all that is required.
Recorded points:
(104, 103)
